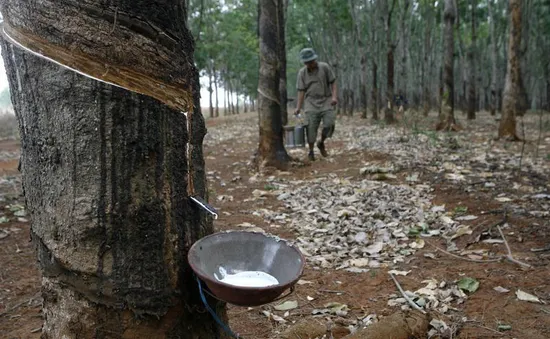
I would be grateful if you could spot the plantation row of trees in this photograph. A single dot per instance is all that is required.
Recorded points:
(381, 49)
(108, 166)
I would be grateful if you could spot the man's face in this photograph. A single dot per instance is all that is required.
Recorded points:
(311, 65)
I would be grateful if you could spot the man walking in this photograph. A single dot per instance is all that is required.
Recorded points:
(316, 85)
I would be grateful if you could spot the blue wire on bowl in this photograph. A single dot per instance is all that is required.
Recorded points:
(214, 315)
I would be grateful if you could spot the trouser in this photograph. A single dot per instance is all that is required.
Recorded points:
(314, 119)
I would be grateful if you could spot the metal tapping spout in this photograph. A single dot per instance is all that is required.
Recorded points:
(205, 206)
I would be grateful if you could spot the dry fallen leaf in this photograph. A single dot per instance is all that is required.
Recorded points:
(396, 272)
(359, 262)
(501, 289)
(287, 305)
(527, 297)
(304, 282)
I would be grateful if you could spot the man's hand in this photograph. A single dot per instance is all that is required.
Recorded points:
(297, 111)
(334, 101)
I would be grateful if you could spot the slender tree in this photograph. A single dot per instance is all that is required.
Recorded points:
(105, 172)
(472, 95)
(447, 122)
(494, 64)
(507, 127)
(281, 24)
(389, 116)
(271, 150)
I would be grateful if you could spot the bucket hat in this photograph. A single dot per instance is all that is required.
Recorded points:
(307, 55)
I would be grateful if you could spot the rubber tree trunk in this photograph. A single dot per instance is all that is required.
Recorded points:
(210, 92)
(426, 69)
(281, 23)
(271, 150)
(217, 111)
(106, 174)
(447, 122)
(389, 117)
(510, 97)
(374, 42)
(404, 42)
(472, 58)
(494, 65)
(374, 91)
(225, 101)
(363, 92)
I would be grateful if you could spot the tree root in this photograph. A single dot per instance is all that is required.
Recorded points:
(400, 325)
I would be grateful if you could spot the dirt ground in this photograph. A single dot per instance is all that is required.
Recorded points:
(230, 173)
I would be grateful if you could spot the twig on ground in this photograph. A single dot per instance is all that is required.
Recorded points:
(412, 303)
(487, 328)
(463, 258)
(332, 291)
(542, 249)
(501, 222)
(510, 257)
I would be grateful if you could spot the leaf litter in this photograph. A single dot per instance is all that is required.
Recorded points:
(356, 225)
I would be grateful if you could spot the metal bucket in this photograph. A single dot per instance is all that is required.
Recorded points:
(295, 136)
(246, 251)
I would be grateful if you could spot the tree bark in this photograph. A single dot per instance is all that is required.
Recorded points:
(374, 57)
(237, 102)
(281, 23)
(404, 49)
(210, 92)
(472, 64)
(494, 69)
(360, 47)
(271, 151)
(345, 100)
(374, 90)
(426, 69)
(113, 42)
(352, 102)
(510, 99)
(225, 101)
(217, 113)
(106, 178)
(363, 88)
(389, 117)
(447, 122)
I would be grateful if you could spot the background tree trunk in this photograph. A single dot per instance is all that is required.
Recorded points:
(281, 18)
(363, 87)
(507, 127)
(271, 151)
(426, 68)
(448, 122)
(374, 90)
(390, 57)
(472, 61)
(217, 113)
(404, 43)
(494, 65)
(210, 93)
(106, 178)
